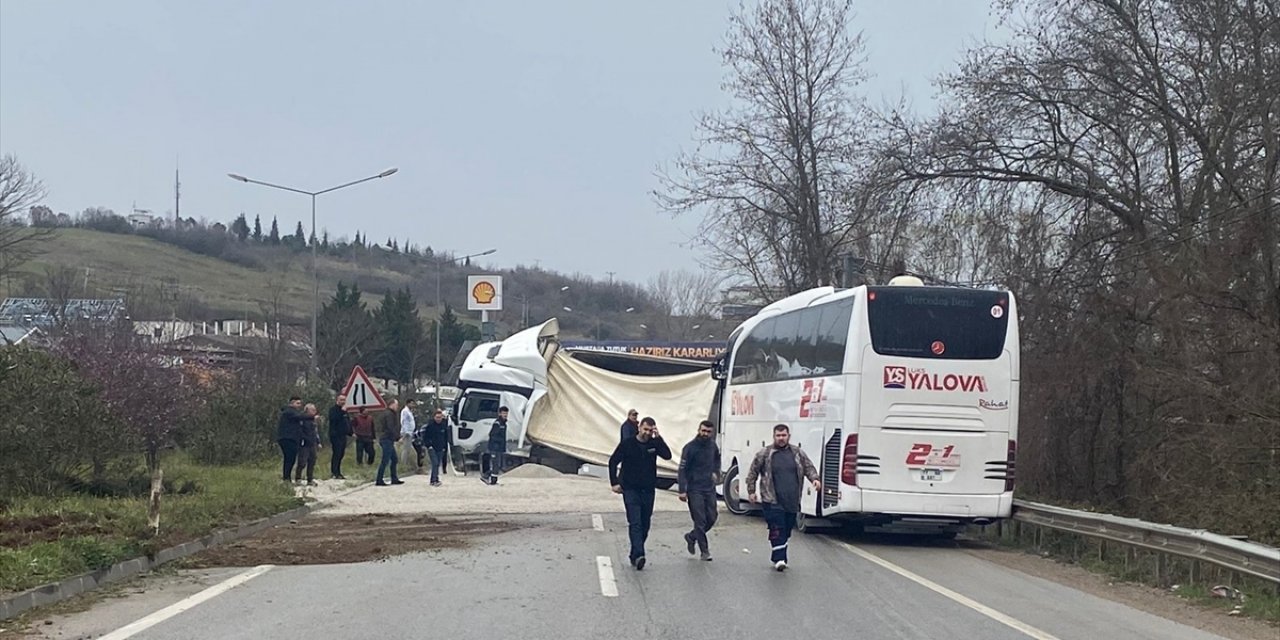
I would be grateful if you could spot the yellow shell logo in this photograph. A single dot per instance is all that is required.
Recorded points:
(484, 293)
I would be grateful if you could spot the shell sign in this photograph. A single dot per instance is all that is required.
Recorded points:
(484, 293)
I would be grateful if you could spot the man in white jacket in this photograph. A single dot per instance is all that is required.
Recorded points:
(406, 452)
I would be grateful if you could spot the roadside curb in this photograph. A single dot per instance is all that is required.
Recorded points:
(56, 592)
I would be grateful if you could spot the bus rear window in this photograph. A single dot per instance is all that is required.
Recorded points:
(936, 322)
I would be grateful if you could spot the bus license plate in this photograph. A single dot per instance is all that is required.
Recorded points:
(930, 475)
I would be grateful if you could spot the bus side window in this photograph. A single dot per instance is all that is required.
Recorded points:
(833, 337)
(805, 349)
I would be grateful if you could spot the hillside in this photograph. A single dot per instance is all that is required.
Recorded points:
(162, 280)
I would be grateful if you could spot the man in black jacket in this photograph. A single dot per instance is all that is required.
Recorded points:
(289, 434)
(435, 437)
(497, 447)
(339, 431)
(639, 459)
(699, 473)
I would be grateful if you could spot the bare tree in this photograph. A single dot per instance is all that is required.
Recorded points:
(19, 190)
(680, 292)
(60, 286)
(1116, 163)
(783, 181)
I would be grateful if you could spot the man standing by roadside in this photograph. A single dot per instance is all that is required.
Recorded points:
(699, 474)
(289, 433)
(629, 427)
(365, 437)
(435, 436)
(497, 446)
(781, 470)
(308, 446)
(408, 425)
(388, 434)
(638, 482)
(339, 431)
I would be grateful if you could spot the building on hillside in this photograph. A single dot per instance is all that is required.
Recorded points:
(162, 331)
(238, 353)
(139, 220)
(46, 312)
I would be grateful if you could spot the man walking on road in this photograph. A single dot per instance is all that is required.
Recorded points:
(638, 482)
(388, 434)
(497, 446)
(435, 437)
(339, 431)
(289, 433)
(781, 470)
(699, 474)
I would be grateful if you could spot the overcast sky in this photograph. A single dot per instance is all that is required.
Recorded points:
(530, 127)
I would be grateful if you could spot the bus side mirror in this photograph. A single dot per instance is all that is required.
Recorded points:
(719, 369)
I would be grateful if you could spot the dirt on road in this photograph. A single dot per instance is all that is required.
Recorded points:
(321, 539)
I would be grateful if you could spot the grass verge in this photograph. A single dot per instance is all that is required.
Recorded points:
(1191, 580)
(46, 539)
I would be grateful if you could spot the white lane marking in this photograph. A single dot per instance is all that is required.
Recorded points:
(968, 602)
(608, 586)
(172, 610)
(597, 522)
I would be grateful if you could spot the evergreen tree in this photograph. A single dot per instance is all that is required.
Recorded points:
(240, 228)
(257, 229)
(402, 340)
(274, 236)
(300, 235)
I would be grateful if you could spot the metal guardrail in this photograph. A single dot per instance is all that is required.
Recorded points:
(1250, 558)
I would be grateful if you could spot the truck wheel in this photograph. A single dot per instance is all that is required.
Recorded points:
(732, 501)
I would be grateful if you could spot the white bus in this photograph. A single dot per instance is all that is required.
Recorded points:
(904, 396)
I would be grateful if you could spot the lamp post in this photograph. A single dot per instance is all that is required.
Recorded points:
(315, 274)
(440, 267)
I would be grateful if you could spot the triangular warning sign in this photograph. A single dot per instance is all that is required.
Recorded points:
(360, 392)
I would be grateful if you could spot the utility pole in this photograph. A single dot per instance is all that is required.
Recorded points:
(177, 197)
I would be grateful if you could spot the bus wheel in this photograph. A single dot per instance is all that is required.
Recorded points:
(732, 501)
(802, 523)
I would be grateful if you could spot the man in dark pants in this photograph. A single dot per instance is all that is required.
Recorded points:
(639, 459)
(699, 474)
(366, 435)
(388, 434)
(289, 434)
(339, 431)
(435, 436)
(497, 446)
(781, 470)
(308, 446)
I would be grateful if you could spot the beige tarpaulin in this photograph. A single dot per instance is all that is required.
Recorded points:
(585, 406)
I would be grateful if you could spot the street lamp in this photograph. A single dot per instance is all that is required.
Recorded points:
(315, 273)
(440, 267)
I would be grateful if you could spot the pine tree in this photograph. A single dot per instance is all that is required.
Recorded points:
(240, 228)
(274, 236)
(257, 229)
(324, 240)
(300, 235)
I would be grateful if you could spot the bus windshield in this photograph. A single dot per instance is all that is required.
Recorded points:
(937, 322)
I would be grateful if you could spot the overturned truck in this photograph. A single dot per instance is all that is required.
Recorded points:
(566, 407)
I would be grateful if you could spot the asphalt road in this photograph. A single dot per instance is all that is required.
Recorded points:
(544, 581)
